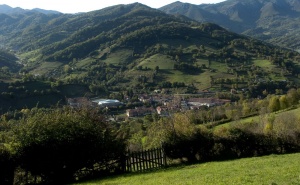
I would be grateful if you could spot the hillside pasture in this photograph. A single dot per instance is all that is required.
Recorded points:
(273, 169)
(256, 119)
(118, 57)
(262, 63)
(46, 67)
(200, 81)
(162, 61)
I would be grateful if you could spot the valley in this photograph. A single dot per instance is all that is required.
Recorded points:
(202, 83)
(134, 47)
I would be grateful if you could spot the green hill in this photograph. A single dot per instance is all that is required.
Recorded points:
(8, 60)
(273, 169)
(136, 47)
(274, 21)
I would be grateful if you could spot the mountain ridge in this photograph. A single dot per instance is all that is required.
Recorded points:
(5, 9)
(272, 21)
(133, 47)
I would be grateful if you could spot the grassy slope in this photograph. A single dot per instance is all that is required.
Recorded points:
(273, 169)
(257, 118)
(162, 61)
(200, 80)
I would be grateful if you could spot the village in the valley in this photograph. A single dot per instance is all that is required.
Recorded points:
(147, 104)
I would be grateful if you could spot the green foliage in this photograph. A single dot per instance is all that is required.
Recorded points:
(8, 62)
(252, 18)
(274, 104)
(7, 166)
(111, 42)
(267, 135)
(56, 144)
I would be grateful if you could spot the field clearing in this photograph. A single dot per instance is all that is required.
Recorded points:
(46, 67)
(31, 55)
(273, 169)
(83, 63)
(257, 118)
(220, 67)
(118, 57)
(200, 81)
(263, 63)
(162, 61)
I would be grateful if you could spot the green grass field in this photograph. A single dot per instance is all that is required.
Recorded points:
(118, 57)
(162, 61)
(46, 67)
(263, 63)
(257, 118)
(200, 81)
(273, 169)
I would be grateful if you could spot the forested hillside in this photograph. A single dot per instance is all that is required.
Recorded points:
(275, 21)
(77, 91)
(133, 46)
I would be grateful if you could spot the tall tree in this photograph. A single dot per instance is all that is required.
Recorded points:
(274, 104)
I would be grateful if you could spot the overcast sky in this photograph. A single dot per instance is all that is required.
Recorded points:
(74, 6)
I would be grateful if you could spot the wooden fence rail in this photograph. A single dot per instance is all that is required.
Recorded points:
(145, 160)
(128, 162)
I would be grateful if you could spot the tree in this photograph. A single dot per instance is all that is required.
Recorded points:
(7, 167)
(274, 104)
(246, 109)
(202, 48)
(55, 144)
(292, 97)
(67, 68)
(286, 128)
(283, 102)
(177, 59)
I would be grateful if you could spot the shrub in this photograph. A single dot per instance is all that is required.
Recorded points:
(56, 144)
(7, 167)
(194, 148)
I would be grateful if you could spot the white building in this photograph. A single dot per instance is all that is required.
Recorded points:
(108, 102)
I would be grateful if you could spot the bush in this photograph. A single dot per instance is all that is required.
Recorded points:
(236, 143)
(188, 143)
(7, 167)
(56, 144)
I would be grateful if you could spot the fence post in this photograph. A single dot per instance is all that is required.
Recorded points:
(123, 162)
(133, 160)
(144, 160)
(164, 157)
(139, 161)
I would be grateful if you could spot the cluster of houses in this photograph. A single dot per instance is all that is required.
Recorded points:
(164, 104)
(169, 106)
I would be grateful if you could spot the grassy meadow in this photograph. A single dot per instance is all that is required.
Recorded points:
(273, 169)
(257, 118)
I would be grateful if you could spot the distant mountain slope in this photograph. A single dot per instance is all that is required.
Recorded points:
(276, 21)
(62, 37)
(136, 48)
(5, 9)
(65, 38)
(9, 61)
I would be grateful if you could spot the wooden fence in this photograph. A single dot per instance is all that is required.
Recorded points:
(125, 163)
(145, 160)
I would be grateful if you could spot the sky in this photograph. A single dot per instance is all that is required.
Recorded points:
(75, 6)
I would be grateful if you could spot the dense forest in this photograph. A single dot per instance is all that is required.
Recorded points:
(274, 21)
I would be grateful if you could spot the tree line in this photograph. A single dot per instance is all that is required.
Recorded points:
(63, 144)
